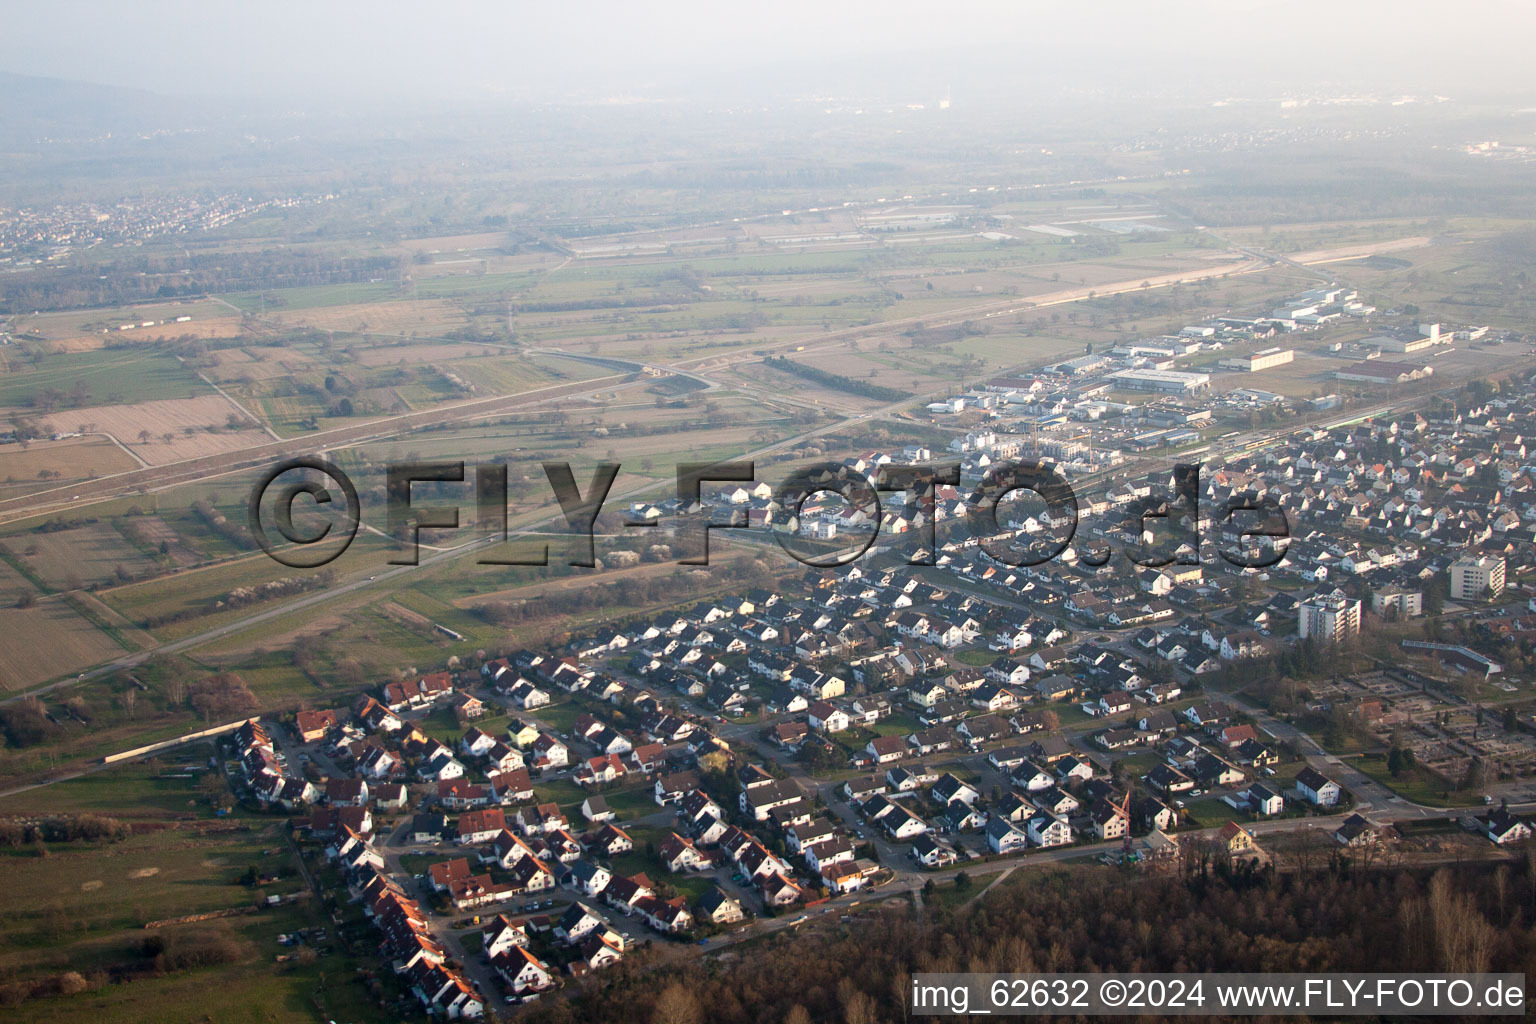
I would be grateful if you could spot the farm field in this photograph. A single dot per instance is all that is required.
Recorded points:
(91, 381)
(1312, 236)
(183, 603)
(385, 318)
(217, 329)
(1007, 349)
(391, 379)
(410, 353)
(155, 531)
(150, 789)
(356, 631)
(80, 555)
(70, 458)
(58, 641)
(110, 887)
(13, 584)
(73, 323)
(253, 991)
(254, 362)
(284, 299)
(83, 908)
(447, 246)
(167, 430)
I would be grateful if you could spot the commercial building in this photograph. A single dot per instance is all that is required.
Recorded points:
(1428, 336)
(1081, 365)
(1329, 617)
(1474, 576)
(1256, 361)
(1168, 381)
(1389, 343)
(1379, 371)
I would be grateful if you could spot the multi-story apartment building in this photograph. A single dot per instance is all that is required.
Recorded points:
(1474, 576)
(1329, 617)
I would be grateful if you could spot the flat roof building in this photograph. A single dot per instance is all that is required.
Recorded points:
(1328, 617)
(1472, 577)
(1404, 343)
(1255, 361)
(1167, 381)
(1379, 371)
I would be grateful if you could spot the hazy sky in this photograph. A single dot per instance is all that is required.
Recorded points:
(385, 48)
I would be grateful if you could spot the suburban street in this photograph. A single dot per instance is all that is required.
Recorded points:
(907, 879)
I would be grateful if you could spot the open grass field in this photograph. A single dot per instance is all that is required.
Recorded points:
(412, 353)
(631, 445)
(431, 316)
(47, 640)
(73, 323)
(413, 603)
(315, 297)
(192, 533)
(897, 363)
(118, 887)
(446, 246)
(1311, 236)
(103, 379)
(1478, 281)
(1419, 784)
(86, 554)
(253, 991)
(82, 907)
(783, 311)
(192, 593)
(150, 789)
(289, 415)
(387, 379)
(216, 329)
(358, 632)
(511, 374)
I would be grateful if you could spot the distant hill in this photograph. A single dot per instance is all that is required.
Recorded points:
(33, 108)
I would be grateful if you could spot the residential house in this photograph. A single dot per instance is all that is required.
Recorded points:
(1316, 788)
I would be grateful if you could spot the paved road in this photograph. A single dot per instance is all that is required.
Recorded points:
(912, 881)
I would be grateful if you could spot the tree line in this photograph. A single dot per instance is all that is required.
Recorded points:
(837, 381)
(1088, 919)
(179, 275)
